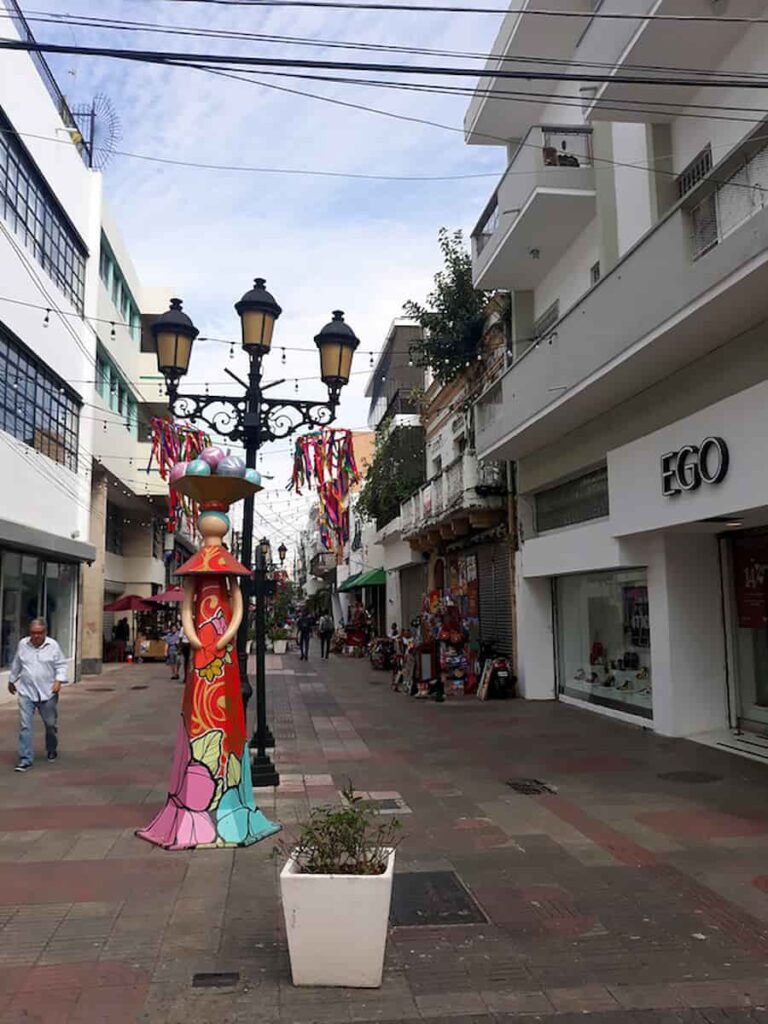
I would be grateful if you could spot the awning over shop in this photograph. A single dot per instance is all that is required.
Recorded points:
(372, 578)
(349, 583)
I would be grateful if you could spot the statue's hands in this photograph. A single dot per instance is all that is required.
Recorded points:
(222, 643)
(194, 642)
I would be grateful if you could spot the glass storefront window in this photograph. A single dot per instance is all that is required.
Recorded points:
(60, 588)
(30, 587)
(604, 640)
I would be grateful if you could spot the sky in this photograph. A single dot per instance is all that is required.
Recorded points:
(322, 243)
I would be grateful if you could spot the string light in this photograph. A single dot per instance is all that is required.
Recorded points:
(232, 350)
(296, 385)
(113, 333)
(283, 360)
(47, 318)
(370, 361)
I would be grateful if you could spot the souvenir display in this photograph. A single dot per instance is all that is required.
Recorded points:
(210, 798)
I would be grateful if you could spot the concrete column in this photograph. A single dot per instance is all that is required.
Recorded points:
(688, 659)
(605, 187)
(522, 322)
(662, 182)
(92, 617)
(536, 647)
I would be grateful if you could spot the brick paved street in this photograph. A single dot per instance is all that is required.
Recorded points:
(620, 894)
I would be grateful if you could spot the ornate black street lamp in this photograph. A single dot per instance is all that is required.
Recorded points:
(252, 419)
(282, 551)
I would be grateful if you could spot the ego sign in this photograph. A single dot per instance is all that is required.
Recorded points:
(692, 465)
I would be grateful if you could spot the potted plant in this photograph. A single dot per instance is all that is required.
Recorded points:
(279, 637)
(336, 889)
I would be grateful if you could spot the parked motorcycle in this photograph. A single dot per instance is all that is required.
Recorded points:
(497, 681)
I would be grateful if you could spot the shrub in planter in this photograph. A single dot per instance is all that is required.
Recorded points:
(336, 888)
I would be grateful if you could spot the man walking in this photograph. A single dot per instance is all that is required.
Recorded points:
(325, 629)
(36, 676)
(304, 629)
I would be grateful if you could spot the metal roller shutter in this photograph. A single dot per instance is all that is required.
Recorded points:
(413, 583)
(493, 568)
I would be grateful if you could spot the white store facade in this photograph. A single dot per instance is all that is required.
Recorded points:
(635, 401)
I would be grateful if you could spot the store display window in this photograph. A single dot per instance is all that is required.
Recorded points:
(604, 640)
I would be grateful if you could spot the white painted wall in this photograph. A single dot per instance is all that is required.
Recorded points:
(632, 182)
(569, 278)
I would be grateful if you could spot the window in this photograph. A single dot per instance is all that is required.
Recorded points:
(604, 640)
(31, 210)
(115, 392)
(696, 170)
(36, 406)
(30, 586)
(576, 501)
(547, 320)
(118, 290)
(594, 273)
(113, 541)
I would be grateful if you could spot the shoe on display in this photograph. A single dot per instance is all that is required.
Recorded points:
(581, 674)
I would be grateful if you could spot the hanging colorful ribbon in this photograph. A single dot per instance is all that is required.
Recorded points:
(326, 458)
(172, 443)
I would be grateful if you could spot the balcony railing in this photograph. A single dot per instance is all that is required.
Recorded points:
(464, 484)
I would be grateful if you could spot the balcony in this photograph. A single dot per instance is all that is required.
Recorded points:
(667, 45)
(323, 564)
(491, 118)
(464, 496)
(544, 201)
(708, 279)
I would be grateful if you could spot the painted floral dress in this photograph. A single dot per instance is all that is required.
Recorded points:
(210, 797)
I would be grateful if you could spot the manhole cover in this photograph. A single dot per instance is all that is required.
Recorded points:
(215, 979)
(421, 898)
(100, 689)
(530, 787)
(142, 687)
(689, 776)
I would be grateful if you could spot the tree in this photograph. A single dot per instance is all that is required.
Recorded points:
(454, 315)
(396, 470)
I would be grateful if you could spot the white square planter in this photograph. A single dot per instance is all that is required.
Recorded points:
(280, 646)
(337, 926)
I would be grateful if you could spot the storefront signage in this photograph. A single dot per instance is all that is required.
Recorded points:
(692, 465)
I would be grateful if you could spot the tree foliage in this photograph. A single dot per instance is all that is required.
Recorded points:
(454, 315)
(396, 470)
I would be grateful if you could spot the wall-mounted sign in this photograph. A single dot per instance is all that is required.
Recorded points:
(692, 465)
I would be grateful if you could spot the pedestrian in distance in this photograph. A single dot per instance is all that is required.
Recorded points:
(304, 631)
(173, 640)
(37, 674)
(325, 629)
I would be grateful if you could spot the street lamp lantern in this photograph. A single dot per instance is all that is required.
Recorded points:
(264, 545)
(337, 343)
(282, 551)
(258, 311)
(174, 334)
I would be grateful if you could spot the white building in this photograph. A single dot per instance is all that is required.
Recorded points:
(49, 231)
(631, 230)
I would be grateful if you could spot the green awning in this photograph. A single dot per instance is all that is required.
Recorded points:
(372, 578)
(349, 583)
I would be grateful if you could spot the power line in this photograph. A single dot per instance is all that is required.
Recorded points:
(171, 58)
(116, 24)
(375, 5)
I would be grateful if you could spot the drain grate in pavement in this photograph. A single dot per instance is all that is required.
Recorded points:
(140, 687)
(215, 979)
(100, 689)
(425, 898)
(530, 787)
(689, 776)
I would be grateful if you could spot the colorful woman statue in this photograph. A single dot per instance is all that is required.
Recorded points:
(210, 798)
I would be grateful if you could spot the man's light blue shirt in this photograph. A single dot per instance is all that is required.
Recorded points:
(36, 669)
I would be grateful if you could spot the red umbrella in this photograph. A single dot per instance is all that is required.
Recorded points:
(128, 603)
(173, 595)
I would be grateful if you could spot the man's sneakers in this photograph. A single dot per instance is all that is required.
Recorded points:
(22, 767)
(52, 755)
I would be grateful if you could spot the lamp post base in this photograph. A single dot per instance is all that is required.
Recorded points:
(263, 772)
(269, 740)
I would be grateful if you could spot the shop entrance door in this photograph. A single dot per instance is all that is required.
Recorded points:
(749, 570)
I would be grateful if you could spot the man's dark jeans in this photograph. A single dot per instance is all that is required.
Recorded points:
(304, 644)
(325, 644)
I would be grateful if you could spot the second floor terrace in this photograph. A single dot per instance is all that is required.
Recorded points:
(545, 199)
